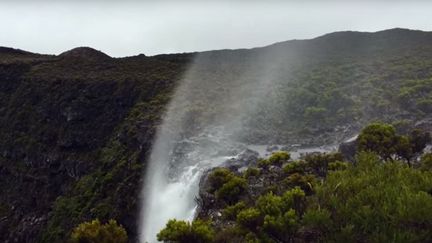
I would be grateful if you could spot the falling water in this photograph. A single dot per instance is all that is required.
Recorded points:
(199, 131)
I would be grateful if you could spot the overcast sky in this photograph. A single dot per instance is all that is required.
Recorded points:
(124, 28)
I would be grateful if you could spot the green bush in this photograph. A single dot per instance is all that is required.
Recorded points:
(317, 219)
(230, 212)
(426, 162)
(278, 158)
(281, 227)
(270, 204)
(379, 138)
(296, 199)
(251, 172)
(318, 162)
(305, 182)
(338, 165)
(218, 177)
(231, 191)
(249, 218)
(384, 202)
(184, 232)
(295, 167)
(95, 232)
(263, 163)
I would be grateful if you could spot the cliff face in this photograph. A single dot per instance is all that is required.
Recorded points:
(66, 117)
(75, 129)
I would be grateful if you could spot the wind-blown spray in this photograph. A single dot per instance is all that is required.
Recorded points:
(199, 131)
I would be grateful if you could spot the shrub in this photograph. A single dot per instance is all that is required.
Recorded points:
(426, 162)
(379, 138)
(249, 218)
(296, 199)
(338, 165)
(318, 162)
(317, 219)
(251, 172)
(270, 204)
(184, 232)
(232, 190)
(281, 227)
(263, 163)
(218, 177)
(295, 167)
(380, 201)
(278, 158)
(230, 212)
(95, 232)
(305, 182)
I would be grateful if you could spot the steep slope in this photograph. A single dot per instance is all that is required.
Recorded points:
(76, 129)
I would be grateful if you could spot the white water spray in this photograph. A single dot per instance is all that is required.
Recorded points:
(197, 133)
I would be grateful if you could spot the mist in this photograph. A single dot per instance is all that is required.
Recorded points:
(205, 125)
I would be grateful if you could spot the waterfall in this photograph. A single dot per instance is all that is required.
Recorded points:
(199, 131)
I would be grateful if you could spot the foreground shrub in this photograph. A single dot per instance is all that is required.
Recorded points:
(184, 232)
(305, 182)
(379, 138)
(95, 232)
(318, 162)
(426, 162)
(384, 202)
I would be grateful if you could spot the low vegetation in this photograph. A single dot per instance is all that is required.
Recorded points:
(321, 198)
(95, 232)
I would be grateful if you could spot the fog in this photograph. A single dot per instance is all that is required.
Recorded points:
(202, 128)
(124, 28)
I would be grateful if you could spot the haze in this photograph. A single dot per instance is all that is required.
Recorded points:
(127, 28)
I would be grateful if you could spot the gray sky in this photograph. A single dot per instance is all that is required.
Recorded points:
(124, 28)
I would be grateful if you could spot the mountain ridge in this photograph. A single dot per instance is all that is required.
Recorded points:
(84, 50)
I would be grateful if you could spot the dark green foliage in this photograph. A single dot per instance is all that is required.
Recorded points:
(338, 165)
(318, 163)
(249, 218)
(305, 182)
(382, 139)
(299, 166)
(379, 138)
(184, 232)
(426, 162)
(278, 158)
(381, 201)
(251, 172)
(231, 191)
(230, 212)
(219, 177)
(95, 232)
(418, 140)
(318, 220)
(226, 186)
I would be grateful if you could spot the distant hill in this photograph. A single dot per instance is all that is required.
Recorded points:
(76, 128)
